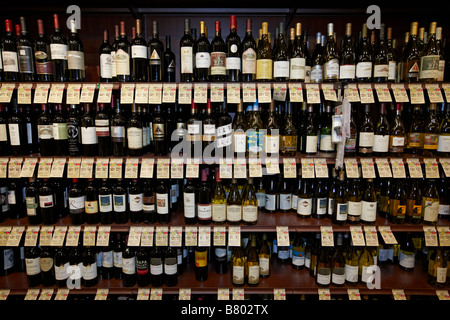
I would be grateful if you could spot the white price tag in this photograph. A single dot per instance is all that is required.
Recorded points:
(88, 92)
(295, 92)
(24, 93)
(105, 93)
(249, 92)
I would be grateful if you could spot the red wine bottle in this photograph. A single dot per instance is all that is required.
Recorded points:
(25, 51)
(44, 64)
(129, 266)
(105, 203)
(47, 203)
(60, 137)
(149, 202)
(187, 54)
(136, 201)
(58, 50)
(102, 129)
(76, 203)
(91, 203)
(9, 54)
(89, 140)
(156, 58)
(32, 202)
(33, 266)
(75, 55)
(202, 55)
(123, 51)
(105, 59)
(169, 63)
(218, 56)
(89, 269)
(157, 266)
(139, 56)
(143, 267)
(120, 202)
(45, 132)
(233, 59)
(159, 133)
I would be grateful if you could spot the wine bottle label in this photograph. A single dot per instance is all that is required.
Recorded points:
(381, 70)
(364, 70)
(354, 210)
(170, 269)
(189, 205)
(441, 275)
(380, 143)
(430, 210)
(297, 69)
(59, 131)
(443, 143)
(3, 132)
(33, 266)
(444, 209)
(411, 69)
(91, 207)
(201, 258)
(324, 276)
(338, 276)
(415, 140)
(347, 71)
(264, 69)
(254, 140)
(139, 51)
(341, 211)
(129, 265)
(135, 138)
(325, 142)
(46, 201)
(271, 144)
(45, 131)
(412, 210)
(316, 73)
(249, 61)
(107, 259)
(89, 271)
(368, 211)
(204, 211)
(156, 269)
(162, 203)
(29, 133)
(253, 274)
(61, 272)
(117, 133)
(406, 260)
(77, 204)
(105, 203)
(441, 70)
(350, 143)
(158, 131)
(311, 144)
(26, 63)
(285, 201)
(187, 59)
(366, 273)
(331, 69)
(298, 258)
(239, 141)
(58, 51)
(119, 203)
(209, 132)
(304, 206)
(105, 66)
(281, 69)
(102, 128)
(122, 62)
(10, 62)
(397, 141)
(429, 67)
(31, 206)
(75, 60)
(113, 64)
(307, 74)
(238, 274)
(155, 59)
(392, 70)
(218, 63)
(233, 63)
(351, 273)
(136, 202)
(288, 144)
(321, 206)
(88, 135)
(249, 213)
(234, 213)
(430, 141)
(271, 202)
(14, 134)
(202, 60)
(219, 212)
(264, 266)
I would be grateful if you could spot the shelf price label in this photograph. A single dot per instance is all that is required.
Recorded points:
(28, 167)
(444, 236)
(115, 168)
(177, 168)
(103, 235)
(73, 93)
(279, 294)
(86, 168)
(264, 93)
(217, 92)
(414, 167)
(31, 236)
(184, 294)
(371, 236)
(185, 93)
(134, 237)
(73, 168)
(248, 92)
(45, 236)
(62, 294)
(104, 93)
(326, 235)
(272, 165)
(238, 293)
(204, 236)
(127, 93)
(89, 235)
(383, 93)
(357, 236)
(4, 234)
(312, 93)
(191, 235)
(4, 293)
(289, 168)
(445, 163)
(295, 92)
(176, 236)
(32, 294)
(351, 168)
(45, 167)
(367, 168)
(233, 93)
(147, 168)
(162, 236)
(307, 168)
(24, 93)
(353, 294)
(351, 93)
(240, 168)
(324, 294)
(223, 294)
(434, 93)
(141, 94)
(387, 234)
(254, 167)
(58, 166)
(6, 92)
(46, 294)
(3, 167)
(192, 168)
(73, 234)
(234, 236)
(200, 93)
(443, 294)
(398, 168)
(143, 294)
(163, 168)
(384, 170)
(14, 236)
(399, 91)
(328, 91)
(416, 93)
(147, 236)
(156, 294)
(279, 91)
(431, 168)
(59, 234)
(399, 294)
(15, 167)
(219, 237)
(101, 294)
(226, 168)
(366, 93)
(131, 168)
(430, 235)
(321, 168)
(169, 92)
(283, 236)
(87, 92)
(101, 168)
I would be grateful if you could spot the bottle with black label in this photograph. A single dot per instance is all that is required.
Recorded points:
(25, 51)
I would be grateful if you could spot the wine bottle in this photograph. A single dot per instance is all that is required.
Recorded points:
(249, 204)
(129, 266)
(118, 130)
(202, 55)
(17, 130)
(338, 263)
(169, 62)
(366, 133)
(33, 210)
(74, 131)
(309, 134)
(248, 54)
(89, 269)
(219, 202)
(204, 205)
(149, 202)
(264, 258)
(316, 60)
(381, 133)
(288, 133)
(285, 195)
(364, 58)
(314, 255)
(411, 56)
(89, 140)
(42, 55)
(252, 262)
(75, 55)
(201, 263)
(255, 138)
(397, 135)
(369, 203)
(326, 144)
(9, 54)
(77, 200)
(25, 51)
(107, 257)
(431, 132)
(323, 268)
(156, 56)
(61, 264)
(407, 253)
(139, 56)
(281, 58)
(159, 132)
(233, 54)
(430, 203)
(330, 58)
(305, 199)
(398, 203)
(170, 267)
(47, 203)
(239, 128)
(352, 266)
(163, 210)
(297, 56)
(271, 202)
(429, 59)
(59, 132)
(238, 263)
(118, 249)
(45, 132)
(135, 133)
(113, 53)
(272, 136)
(234, 204)
(190, 202)
(194, 137)
(105, 63)
(142, 267)
(347, 68)
(224, 133)
(123, 52)
(298, 252)
(33, 266)
(4, 141)
(16, 201)
(102, 129)
(414, 203)
(340, 208)
(218, 72)
(443, 147)
(91, 202)
(187, 54)
(135, 199)
(105, 203)
(381, 58)
(264, 62)
(437, 268)
(365, 263)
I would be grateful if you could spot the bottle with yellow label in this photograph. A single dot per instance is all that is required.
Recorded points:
(264, 61)
(414, 203)
(397, 203)
(430, 203)
(201, 263)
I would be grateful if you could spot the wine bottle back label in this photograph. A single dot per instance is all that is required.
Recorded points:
(105, 66)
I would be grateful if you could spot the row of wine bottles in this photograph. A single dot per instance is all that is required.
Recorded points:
(232, 201)
(280, 128)
(362, 58)
(342, 264)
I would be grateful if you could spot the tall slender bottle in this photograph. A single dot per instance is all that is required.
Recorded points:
(103, 131)
(297, 56)
(340, 209)
(75, 55)
(431, 132)
(234, 52)
(330, 57)
(364, 58)
(60, 137)
(139, 56)
(135, 133)
(264, 60)
(105, 62)
(169, 62)
(309, 134)
(156, 56)
(89, 139)
(369, 203)
(9, 54)
(187, 54)
(45, 132)
(249, 204)
(202, 52)
(381, 133)
(281, 58)
(397, 135)
(437, 268)
(347, 67)
(74, 131)
(248, 54)
(25, 51)
(123, 52)
(381, 58)
(338, 262)
(118, 130)
(430, 203)
(218, 56)
(59, 52)
(429, 60)
(366, 133)
(316, 60)
(204, 205)
(411, 56)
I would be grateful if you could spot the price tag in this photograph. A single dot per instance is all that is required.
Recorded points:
(176, 236)
(141, 94)
(169, 92)
(233, 93)
(238, 294)
(86, 168)
(24, 93)
(131, 168)
(147, 168)
(163, 168)
(223, 294)
(185, 93)
(383, 93)
(353, 294)
(15, 167)
(89, 235)
(200, 93)
(28, 167)
(248, 92)
(399, 91)
(371, 236)
(101, 168)
(134, 236)
(279, 294)
(57, 169)
(264, 93)
(45, 166)
(32, 294)
(87, 92)
(4, 294)
(219, 236)
(217, 92)
(279, 91)
(234, 236)
(3, 167)
(414, 167)
(434, 93)
(73, 234)
(143, 294)
(307, 168)
(73, 93)
(446, 88)
(14, 236)
(184, 294)
(416, 93)
(62, 294)
(46, 235)
(289, 168)
(192, 168)
(177, 168)
(240, 168)
(443, 294)
(295, 92)
(226, 168)
(444, 236)
(103, 235)
(255, 168)
(73, 168)
(399, 294)
(59, 234)
(4, 234)
(398, 168)
(326, 233)
(115, 168)
(104, 93)
(162, 236)
(351, 168)
(430, 234)
(328, 91)
(46, 294)
(127, 93)
(384, 170)
(431, 168)
(6, 92)
(352, 93)
(321, 168)
(31, 236)
(357, 236)
(101, 294)
(312, 93)
(366, 93)
(387, 234)
(445, 163)
(272, 165)
(204, 236)
(283, 236)
(324, 294)
(191, 235)
(147, 236)
(156, 294)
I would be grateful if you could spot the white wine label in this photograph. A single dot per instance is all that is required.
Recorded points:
(187, 59)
